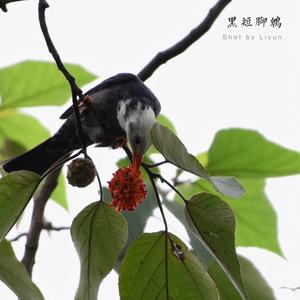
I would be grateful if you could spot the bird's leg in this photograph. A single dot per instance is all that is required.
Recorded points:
(84, 103)
(120, 142)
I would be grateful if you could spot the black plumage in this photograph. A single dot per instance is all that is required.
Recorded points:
(100, 118)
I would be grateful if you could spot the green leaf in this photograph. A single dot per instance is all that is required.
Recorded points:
(22, 128)
(11, 148)
(174, 151)
(247, 154)
(99, 234)
(165, 121)
(213, 223)
(143, 272)
(256, 286)
(198, 249)
(16, 189)
(123, 162)
(228, 186)
(169, 145)
(59, 194)
(203, 158)
(15, 276)
(255, 217)
(37, 83)
(136, 219)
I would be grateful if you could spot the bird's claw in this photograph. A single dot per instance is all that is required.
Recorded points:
(120, 142)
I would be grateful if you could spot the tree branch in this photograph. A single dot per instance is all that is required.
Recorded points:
(3, 4)
(187, 41)
(76, 91)
(37, 220)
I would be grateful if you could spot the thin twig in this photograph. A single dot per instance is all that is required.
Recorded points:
(291, 289)
(100, 185)
(152, 180)
(171, 186)
(187, 41)
(151, 177)
(60, 163)
(155, 165)
(47, 226)
(18, 236)
(98, 179)
(76, 91)
(128, 152)
(37, 220)
(176, 180)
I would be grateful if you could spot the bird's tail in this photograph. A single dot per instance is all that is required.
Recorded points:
(38, 159)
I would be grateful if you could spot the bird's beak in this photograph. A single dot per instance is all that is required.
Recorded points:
(137, 160)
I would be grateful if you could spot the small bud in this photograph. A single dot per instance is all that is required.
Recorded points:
(81, 172)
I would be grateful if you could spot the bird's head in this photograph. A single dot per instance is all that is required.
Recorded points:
(136, 112)
(138, 127)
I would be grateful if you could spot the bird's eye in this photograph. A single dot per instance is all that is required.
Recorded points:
(137, 140)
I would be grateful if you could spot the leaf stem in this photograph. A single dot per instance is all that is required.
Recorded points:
(155, 165)
(152, 180)
(60, 163)
(171, 186)
(98, 179)
(152, 177)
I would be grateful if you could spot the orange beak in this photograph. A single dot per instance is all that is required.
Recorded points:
(137, 160)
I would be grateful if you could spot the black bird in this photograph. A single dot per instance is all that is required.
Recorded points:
(120, 108)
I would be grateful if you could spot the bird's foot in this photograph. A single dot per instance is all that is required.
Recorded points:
(120, 142)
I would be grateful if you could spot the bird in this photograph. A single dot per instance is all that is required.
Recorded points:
(120, 109)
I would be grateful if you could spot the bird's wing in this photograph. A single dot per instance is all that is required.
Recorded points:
(119, 78)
